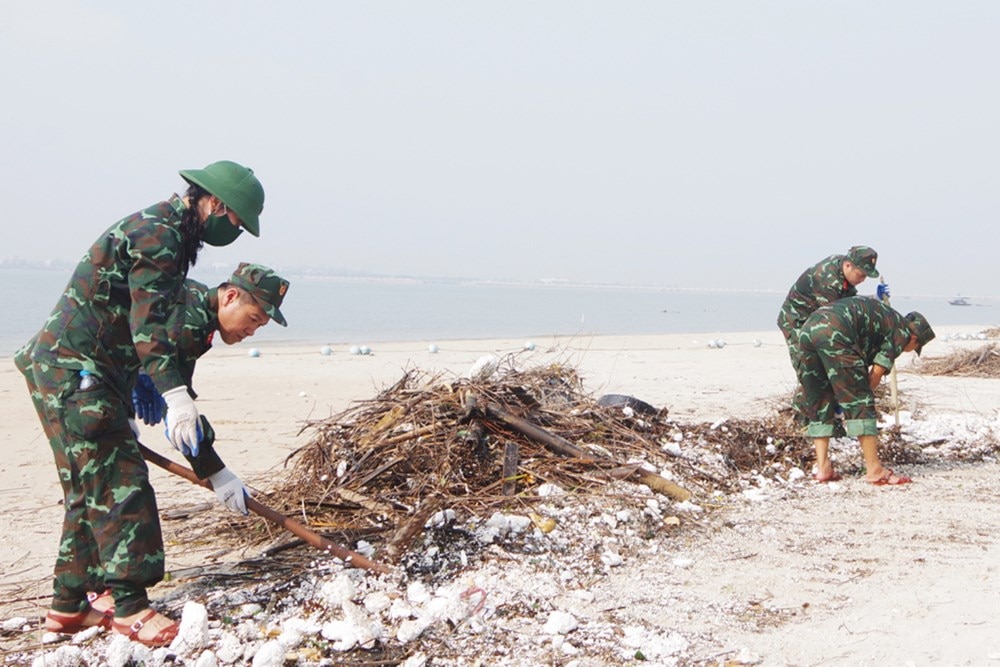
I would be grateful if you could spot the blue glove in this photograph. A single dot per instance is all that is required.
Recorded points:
(147, 401)
(882, 291)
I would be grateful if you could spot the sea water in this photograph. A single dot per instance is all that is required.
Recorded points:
(334, 310)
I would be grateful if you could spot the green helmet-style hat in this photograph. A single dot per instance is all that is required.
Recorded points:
(236, 186)
(264, 285)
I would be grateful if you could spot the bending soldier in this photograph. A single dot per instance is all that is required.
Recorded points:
(845, 349)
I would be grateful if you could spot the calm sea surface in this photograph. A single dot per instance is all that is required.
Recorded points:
(341, 311)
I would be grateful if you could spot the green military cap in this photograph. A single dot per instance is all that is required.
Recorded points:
(264, 285)
(864, 258)
(921, 328)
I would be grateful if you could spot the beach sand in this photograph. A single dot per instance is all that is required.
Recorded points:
(914, 570)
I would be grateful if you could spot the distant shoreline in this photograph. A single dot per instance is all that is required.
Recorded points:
(220, 272)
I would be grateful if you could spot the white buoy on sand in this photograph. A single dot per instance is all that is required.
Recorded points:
(432, 348)
(365, 349)
(355, 349)
(254, 352)
(529, 345)
(326, 350)
(756, 342)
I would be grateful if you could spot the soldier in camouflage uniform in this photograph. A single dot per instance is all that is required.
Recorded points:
(235, 309)
(833, 278)
(845, 350)
(80, 368)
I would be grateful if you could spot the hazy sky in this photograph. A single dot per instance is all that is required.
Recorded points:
(701, 143)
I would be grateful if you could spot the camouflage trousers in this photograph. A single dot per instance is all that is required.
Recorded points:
(831, 370)
(111, 531)
(798, 399)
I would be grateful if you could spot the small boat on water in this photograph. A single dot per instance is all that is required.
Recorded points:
(960, 301)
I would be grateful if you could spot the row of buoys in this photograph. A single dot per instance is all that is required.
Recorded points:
(965, 336)
(364, 350)
(718, 343)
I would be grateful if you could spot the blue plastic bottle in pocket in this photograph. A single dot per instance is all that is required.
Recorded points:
(87, 380)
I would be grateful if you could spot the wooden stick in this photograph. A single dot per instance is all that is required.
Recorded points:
(349, 557)
(566, 448)
(510, 461)
(893, 382)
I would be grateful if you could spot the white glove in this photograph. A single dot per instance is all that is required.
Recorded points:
(230, 490)
(183, 416)
(135, 428)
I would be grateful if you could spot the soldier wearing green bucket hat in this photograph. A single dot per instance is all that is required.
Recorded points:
(111, 319)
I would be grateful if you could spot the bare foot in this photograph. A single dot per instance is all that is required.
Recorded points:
(826, 474)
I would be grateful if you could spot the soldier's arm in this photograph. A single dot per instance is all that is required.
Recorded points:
(208, 462)
(154, 284)
(875, 375)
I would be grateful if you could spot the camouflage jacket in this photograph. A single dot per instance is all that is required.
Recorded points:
(872, 329)
(818, 285)
(193, 325)
(112, 317)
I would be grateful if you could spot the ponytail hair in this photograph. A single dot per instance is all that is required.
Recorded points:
(192, 230)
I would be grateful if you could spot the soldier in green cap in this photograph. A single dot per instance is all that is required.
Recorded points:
(236, 309)
(830, 279)
(113, 317)
(845, 350)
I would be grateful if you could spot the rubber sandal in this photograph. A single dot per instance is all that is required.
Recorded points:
(93, 597)
(162, 638)
(68, 624)
(886, 479)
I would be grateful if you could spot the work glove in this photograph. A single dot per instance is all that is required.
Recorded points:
(882, 291)
(147, 401)
(182, 429)
(190, 452)
(230, 490)
(135, 428)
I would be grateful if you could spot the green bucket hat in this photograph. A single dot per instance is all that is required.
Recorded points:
(264, 285)
(236, 186)
(864, 258)
(921, 328)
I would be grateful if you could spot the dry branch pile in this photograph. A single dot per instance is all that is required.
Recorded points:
(383, 467)
(981, 362)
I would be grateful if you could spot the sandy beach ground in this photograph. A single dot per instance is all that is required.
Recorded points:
(878, 576)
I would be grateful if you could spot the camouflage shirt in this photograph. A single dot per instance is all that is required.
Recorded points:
(818, 285)
(112, 317)
(867, 326)
(194, 324)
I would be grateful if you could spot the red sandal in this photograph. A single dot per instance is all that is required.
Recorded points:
(93, 597)
(68, 624)
(161, 638)
(886, 479)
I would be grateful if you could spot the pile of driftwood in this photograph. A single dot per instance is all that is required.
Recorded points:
(981, 362)
(382, 468)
